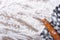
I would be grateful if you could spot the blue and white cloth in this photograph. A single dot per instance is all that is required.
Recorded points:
(55, 22)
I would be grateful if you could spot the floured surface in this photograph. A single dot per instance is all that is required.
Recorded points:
(16, 18)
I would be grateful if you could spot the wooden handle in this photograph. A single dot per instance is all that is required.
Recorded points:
(50, 28)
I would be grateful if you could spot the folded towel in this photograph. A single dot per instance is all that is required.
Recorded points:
(55, 22)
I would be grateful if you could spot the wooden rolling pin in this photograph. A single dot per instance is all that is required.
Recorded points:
(50, 28)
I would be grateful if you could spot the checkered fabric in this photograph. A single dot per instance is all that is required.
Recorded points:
(55, 22)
